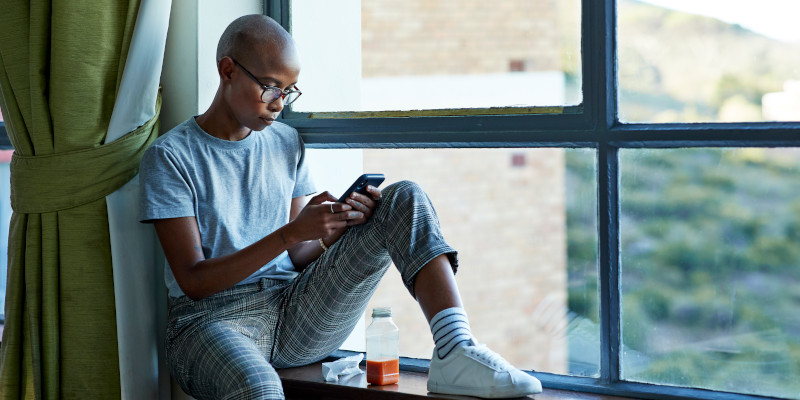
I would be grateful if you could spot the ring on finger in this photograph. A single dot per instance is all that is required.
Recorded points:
(332, 212)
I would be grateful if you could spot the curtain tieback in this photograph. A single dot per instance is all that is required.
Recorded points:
(41, 184)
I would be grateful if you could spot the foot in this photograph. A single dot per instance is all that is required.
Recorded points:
(474, 370)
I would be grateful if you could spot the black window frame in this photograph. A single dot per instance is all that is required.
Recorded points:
(5, 142)
(592, 124)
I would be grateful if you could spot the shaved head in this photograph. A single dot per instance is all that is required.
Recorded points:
(251, 34)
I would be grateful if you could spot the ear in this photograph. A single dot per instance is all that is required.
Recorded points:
(225, 68)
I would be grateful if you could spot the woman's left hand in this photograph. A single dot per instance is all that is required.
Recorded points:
(365, 203)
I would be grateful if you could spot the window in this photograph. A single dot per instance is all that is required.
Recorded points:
(709, 268)
(704, 61)
(672, 218)
(439, 55)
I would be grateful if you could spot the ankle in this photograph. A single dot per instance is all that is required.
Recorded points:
(450, 329)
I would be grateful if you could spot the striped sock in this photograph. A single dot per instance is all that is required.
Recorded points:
(450, 328)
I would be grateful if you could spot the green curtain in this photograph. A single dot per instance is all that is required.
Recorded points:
(60, 68)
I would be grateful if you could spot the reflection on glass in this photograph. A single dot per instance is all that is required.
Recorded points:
(524, 223)
(407, 55)
(708, 60)
(710, 272)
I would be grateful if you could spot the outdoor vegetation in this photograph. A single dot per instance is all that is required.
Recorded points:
(709, 267)
(710, 237)
(679, 67)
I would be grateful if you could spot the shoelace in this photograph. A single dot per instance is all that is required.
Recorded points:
(484, 354)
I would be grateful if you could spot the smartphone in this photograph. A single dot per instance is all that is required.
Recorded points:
(360, 185)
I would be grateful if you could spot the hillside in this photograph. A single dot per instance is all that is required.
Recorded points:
(679, 67)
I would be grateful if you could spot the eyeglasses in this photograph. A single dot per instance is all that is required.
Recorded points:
(272, 93)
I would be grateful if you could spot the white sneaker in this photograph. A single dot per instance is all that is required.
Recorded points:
(474, 370)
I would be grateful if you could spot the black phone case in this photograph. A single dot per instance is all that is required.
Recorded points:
(361, 183)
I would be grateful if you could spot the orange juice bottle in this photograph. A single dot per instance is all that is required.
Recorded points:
(383, 355)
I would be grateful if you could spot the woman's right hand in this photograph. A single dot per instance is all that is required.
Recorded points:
(322, 217)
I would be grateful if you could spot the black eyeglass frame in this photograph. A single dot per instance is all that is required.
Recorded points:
(288, 96)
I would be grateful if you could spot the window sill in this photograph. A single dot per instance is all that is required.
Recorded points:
(306, 383)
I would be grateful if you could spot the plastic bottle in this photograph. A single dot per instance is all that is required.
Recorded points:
(383, 355)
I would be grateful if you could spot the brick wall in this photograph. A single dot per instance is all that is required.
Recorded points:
(425, 37)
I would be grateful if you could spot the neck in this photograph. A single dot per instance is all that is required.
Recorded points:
(221, 123)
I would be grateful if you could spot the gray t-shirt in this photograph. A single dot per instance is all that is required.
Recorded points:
(238, 191)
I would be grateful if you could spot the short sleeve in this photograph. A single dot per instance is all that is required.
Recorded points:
(165, 190)
(304, 185)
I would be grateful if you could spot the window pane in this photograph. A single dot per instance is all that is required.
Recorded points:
(524, 223)
(710, 272)
(420, 55)
(708, 60)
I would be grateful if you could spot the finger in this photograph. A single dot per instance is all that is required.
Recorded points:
(320, 198)
(363, 199)
(334, 223)
(353, 222)
(331, 197)
(338, 207)
(350, 215)
(374, 192)
(359, 205)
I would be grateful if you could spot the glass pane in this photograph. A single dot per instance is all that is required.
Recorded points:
(524, 223)
(412, 55)
(710, 272)
(708, 60)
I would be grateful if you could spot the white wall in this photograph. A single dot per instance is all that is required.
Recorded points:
(189, 78)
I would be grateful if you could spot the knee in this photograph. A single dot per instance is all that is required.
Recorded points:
(255, 385)
(403, 190)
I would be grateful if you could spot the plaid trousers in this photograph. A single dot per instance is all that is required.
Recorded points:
(228, 345)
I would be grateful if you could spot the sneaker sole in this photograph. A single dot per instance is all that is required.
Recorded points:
(497, 392)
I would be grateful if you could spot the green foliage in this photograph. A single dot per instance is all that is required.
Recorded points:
(709, 259)
(679, 67)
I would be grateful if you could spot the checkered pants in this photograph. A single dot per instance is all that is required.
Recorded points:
(226, 346)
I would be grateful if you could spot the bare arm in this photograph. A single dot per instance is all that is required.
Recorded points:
(199, 277)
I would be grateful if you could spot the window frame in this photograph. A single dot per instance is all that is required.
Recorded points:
(592, 124)
(5, 142)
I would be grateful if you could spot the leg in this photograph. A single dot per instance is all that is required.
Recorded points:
(217, 362)
(218, 347)
(458, 364)
(328, 298)
(435, 287)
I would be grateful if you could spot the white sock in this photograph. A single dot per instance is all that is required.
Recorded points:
(450, 329)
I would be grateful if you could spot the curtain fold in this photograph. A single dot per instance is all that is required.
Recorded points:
(60, 67)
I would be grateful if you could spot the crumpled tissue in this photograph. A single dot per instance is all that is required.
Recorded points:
(342, 368)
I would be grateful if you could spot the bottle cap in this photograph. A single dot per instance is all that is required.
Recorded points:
(381, 312)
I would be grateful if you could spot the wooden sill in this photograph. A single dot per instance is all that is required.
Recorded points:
(307, 383)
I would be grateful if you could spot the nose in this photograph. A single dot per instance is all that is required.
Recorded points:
(276, 105)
